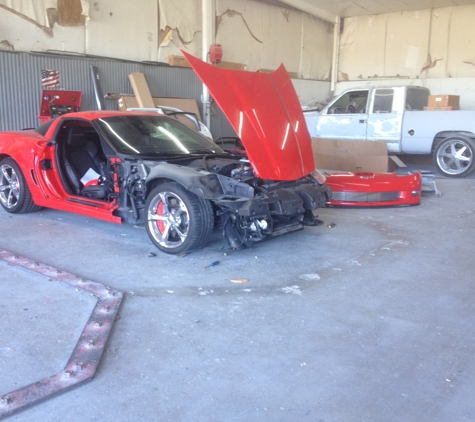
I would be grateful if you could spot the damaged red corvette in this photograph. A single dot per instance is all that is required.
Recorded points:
(140, 167)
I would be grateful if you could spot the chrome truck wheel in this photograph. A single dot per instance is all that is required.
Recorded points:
(455, 156)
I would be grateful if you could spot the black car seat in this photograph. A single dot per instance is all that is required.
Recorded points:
(81, 155)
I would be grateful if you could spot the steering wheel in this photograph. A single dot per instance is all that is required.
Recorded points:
(350, 109)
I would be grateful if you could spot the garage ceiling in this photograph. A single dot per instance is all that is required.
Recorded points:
(330, 9)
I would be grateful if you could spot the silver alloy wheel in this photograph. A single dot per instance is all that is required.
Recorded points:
(9, 186)
(168, 219)
(454, 156)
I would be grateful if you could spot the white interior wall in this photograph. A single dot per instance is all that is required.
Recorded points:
(263, 36)
(180, 28)
(28, 30)
(426, 43)
(34, 10)
(434, 48)
(117, 29)
(260, 35)
(384, 45)
(127, 30)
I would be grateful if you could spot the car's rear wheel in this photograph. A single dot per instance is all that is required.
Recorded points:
(177, 221)
(455, 156)
(15, 195)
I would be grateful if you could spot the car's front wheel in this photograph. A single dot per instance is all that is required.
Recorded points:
(176, 220)
(455, 156)
(15, 195)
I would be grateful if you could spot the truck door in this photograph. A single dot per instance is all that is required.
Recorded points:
(385, 116)
(346, 117)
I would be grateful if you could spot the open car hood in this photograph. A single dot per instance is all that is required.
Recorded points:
(266, 114)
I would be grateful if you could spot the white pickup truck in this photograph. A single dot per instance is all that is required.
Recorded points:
(396, 115)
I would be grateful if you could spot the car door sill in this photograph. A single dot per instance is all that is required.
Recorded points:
(85, 202)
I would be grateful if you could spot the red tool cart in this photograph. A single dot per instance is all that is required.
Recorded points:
(55, 102)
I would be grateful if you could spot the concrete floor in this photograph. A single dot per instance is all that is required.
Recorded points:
(371, 320)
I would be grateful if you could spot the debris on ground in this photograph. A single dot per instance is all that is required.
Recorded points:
(238, 280)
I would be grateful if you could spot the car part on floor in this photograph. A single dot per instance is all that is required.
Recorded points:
(366, 189)
(428, 183)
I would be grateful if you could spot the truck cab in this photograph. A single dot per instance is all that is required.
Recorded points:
(370, 113)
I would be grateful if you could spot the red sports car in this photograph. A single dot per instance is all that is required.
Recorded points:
(144, 167)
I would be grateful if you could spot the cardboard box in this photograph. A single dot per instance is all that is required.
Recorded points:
(292, 75)
(444, 101)
(372, 156)
(141, 90)
(186, 104)
(178, 61)
(441, 108)
(231, 65)
(143, 98)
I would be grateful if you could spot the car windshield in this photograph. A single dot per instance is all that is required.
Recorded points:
(154, 135)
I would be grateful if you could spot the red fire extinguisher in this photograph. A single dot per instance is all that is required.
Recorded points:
(215, 53)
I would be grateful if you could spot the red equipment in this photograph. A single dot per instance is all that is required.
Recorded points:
(215, 53)
(55, 102)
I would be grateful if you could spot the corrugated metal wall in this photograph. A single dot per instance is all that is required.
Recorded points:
(20, 85)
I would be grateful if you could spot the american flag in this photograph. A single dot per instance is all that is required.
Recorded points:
(49, 77)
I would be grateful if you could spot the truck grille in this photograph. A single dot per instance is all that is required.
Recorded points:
(365, 196)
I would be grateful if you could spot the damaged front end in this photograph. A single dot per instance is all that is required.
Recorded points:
(246, 208)
(276, 208)
(182, 185)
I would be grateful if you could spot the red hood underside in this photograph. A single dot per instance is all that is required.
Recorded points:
(265, 112)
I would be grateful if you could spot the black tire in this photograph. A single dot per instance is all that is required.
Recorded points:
(15, 195)
(176, 220)
(455, 156)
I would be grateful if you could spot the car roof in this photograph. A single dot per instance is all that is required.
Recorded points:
(96, 114)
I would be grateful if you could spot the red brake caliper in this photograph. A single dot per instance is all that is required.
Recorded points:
(160, 223)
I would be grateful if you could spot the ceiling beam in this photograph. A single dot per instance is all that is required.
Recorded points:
(310, 9)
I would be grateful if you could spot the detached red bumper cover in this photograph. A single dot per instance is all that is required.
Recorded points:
(374, 189)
